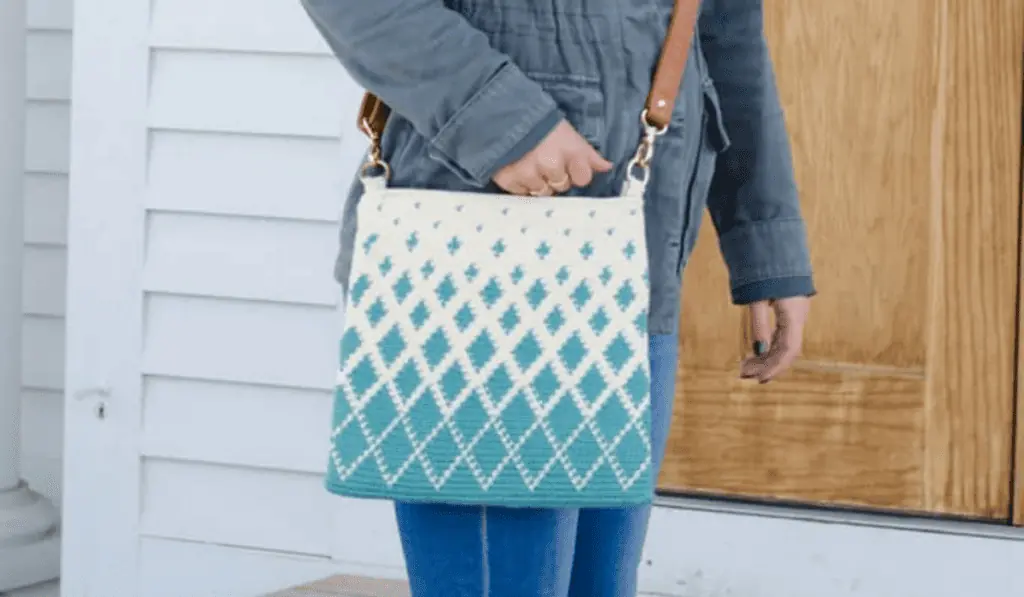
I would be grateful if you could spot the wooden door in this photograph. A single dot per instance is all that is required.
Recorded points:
(905, 123)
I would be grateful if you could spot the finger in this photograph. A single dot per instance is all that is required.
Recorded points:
(598, 162)
(560, 182)
(580, 172)
(552, 170)
(515, 188)
(784, 351)
(760, 327)
(752, 367)
(535, 183)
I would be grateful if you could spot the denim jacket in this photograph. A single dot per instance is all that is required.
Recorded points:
(475, 84)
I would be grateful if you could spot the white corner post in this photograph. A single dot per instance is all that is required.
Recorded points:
(29, 539)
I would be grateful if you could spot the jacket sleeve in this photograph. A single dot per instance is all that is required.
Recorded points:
(478, 110)
(753, 197)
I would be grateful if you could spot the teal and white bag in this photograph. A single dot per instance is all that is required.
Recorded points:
(495, 348)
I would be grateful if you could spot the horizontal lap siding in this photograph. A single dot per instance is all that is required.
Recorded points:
(217, 570)
(48, 83)
(250, 149)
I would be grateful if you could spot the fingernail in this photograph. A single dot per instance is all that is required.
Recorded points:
(760, 347)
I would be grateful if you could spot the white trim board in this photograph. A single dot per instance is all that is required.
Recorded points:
(711, 549)
(881, 520)
(721, 550)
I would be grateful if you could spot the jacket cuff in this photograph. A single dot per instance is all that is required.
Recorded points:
(498, 120)
(528, 142)
(773, 289)
(767, 251)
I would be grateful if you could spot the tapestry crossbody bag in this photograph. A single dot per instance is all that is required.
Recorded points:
(495, 347)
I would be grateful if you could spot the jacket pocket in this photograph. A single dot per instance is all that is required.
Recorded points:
(717, 136)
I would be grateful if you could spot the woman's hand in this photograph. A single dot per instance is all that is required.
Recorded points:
(775, 350)
(563, 159)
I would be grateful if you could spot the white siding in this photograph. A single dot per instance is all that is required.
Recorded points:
(250, 155)
(220, 570)
(249, 127)
(45, 266)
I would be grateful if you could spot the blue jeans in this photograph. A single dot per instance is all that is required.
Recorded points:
(473, 551)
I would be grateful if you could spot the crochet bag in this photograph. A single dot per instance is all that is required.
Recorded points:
(494, 349)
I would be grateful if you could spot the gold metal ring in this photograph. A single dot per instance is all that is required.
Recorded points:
(367, 169)
(560, 185)
(652, 129)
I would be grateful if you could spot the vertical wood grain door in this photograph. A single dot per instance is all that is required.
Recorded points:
(906, 128)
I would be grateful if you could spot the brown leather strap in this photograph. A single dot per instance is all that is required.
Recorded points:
(672, 63)
(373, 113)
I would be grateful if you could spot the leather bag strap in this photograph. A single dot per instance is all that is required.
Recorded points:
(672, 64)
(373, 113)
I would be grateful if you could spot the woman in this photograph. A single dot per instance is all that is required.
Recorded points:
(542, 97)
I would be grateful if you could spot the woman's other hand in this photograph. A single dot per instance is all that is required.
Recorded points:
(563, 159)
(775, 349)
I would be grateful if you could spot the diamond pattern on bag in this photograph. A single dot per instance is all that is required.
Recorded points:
(499, 363)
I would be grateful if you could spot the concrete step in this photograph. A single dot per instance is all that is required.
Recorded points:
(47, 589)
(347, 586)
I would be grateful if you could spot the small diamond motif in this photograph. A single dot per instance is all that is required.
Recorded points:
(536, 294)
(491, 293)
(625, 296)
(369, 242)
(527, 351)
(402, 288)
(581, 296)
(573, 352)
(554, 321)
(481, 351)
(446, 290)
(391, 345)
(376, 313)
(436, 348)
(509, 320)
(419, 316)
(464, 317)
(359, 288)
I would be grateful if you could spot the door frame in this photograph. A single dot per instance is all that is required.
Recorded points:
(1017, 488)
(106, 227)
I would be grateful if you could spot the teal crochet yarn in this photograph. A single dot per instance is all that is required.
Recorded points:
(494, 352)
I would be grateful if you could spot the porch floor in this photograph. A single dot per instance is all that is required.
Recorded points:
(348, 586)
